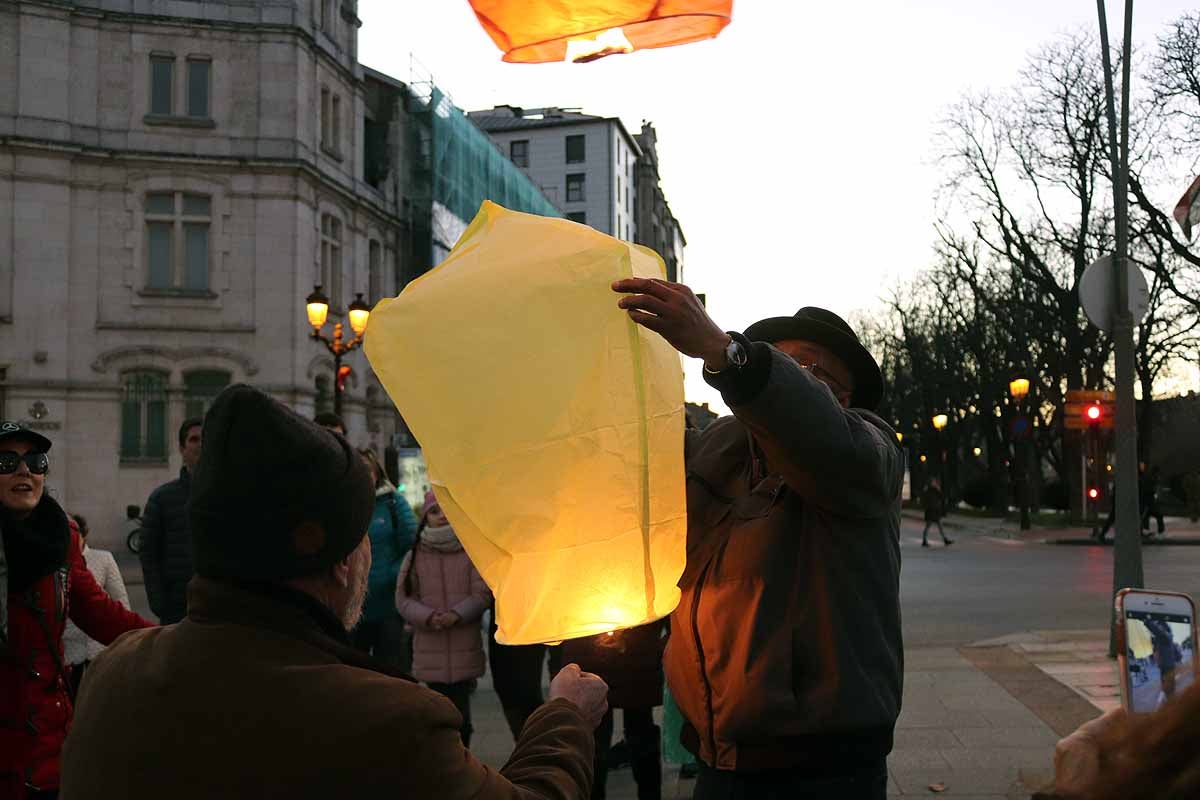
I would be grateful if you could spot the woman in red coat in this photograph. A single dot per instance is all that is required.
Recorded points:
(43, 581)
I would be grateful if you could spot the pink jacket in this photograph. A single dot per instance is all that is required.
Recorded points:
(445, 580)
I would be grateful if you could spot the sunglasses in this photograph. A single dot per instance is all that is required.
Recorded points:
(38, 463)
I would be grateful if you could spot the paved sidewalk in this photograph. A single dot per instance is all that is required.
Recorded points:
(961, 732)
(1180, 531)
(1076, 659)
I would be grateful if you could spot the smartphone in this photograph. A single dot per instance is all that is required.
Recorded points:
(1157, 656)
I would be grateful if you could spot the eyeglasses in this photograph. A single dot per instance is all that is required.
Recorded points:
(38, 463)
(823, 375)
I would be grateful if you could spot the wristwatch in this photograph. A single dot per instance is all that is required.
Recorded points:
(735, 356)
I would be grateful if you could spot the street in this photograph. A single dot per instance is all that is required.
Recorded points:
(985, 586)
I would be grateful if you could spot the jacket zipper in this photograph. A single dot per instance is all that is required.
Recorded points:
(712, 734)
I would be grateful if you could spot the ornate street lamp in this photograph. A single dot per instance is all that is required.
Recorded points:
(317, 308)
(1020, 429)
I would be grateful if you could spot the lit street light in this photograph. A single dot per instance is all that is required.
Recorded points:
(1020, 429)
(317, 307)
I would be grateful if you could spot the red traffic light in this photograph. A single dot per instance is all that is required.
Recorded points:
(1093, 412)
(1093, 493)
(342, 374)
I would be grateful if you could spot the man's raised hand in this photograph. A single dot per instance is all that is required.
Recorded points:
(673, 311)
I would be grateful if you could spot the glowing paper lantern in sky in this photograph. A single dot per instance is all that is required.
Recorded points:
(534, 31)
(552, 426)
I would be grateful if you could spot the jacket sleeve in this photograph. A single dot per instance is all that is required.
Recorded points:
(114, 584)
(471, 608)
(96, 614)
(552, 760)
(152, 553)
(412, 609)
(831, 456)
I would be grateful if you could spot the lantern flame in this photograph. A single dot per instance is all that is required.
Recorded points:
(609, 43)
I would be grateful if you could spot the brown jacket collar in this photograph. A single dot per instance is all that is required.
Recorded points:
(279, 608)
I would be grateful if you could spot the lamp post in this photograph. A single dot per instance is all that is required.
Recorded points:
(940, 421)
(1021, 428)
(317, 306)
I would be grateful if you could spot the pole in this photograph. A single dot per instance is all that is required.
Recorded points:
(337, 383)
(1023, 470)
(1127, 552)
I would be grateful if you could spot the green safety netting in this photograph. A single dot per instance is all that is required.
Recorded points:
(468, 168)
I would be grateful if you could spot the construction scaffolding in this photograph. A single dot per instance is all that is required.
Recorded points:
(456, 166)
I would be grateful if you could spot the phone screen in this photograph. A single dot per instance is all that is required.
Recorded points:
(1160, 657)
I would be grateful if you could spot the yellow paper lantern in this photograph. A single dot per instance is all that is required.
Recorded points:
(552, 426)
(534, 31)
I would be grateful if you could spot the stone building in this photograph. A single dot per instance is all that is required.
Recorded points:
(175, 177)
(657, 227)
(584, 163)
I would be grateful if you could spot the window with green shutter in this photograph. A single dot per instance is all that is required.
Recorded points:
(144, 416)
(200, 388)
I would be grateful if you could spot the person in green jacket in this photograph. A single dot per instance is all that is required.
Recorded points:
(393, 528)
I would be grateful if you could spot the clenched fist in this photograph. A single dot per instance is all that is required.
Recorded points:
(588, 692)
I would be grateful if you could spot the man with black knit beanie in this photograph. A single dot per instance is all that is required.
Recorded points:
(258, 692)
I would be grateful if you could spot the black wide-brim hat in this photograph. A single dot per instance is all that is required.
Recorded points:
(812, 324)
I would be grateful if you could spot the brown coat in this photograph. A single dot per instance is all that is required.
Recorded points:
(257, 694)
(785, 648)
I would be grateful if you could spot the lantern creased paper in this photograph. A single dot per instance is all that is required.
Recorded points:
(552, 426)
(534, 31)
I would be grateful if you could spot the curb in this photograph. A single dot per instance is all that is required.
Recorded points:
(1089, 542)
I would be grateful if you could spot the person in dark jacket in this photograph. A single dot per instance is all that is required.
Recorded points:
(393, 528)
(630, 662)
(166, 553)
(46, 583)
(785, 656)
(935, 509)
(259, 692)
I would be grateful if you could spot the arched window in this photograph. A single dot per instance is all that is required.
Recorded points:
(200, 388)
(324, 394)
(144, 416)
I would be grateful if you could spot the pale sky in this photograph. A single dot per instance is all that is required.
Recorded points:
(795, 148)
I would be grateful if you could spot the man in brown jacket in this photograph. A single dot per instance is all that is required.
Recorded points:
(785, 653)
(258, 692)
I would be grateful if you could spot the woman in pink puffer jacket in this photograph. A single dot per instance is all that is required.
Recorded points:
(442, 596)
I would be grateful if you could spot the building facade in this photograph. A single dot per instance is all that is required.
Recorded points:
(175, 177)
(583, 163)
(656, 227)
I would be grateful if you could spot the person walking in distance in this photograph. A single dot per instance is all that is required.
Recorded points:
(393, 527)
(78, 647)
(935, 508)
(166, 552)
(443, 597)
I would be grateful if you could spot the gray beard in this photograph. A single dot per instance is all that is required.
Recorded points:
(353, 612)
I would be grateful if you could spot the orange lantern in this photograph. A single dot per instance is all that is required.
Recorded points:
(538, 31)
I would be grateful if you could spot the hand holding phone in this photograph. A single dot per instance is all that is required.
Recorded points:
(1157, 647)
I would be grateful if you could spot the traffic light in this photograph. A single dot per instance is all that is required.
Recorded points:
(1093, 493)
(1088, 410)
(343, 373)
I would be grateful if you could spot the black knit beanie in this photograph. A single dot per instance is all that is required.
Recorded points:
(274, 496)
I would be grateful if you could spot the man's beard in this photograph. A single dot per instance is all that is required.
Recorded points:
(352, 615)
